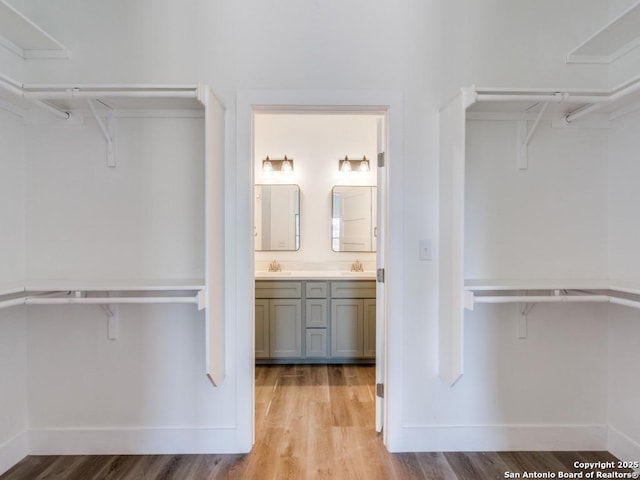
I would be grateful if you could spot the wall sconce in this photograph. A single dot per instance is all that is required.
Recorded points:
(284, 165)
(346, 164)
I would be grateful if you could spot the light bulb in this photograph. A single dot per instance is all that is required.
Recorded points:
(266, 165)
(364, 165)
(286, 165)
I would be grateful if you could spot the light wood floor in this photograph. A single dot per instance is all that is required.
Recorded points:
(312, 422)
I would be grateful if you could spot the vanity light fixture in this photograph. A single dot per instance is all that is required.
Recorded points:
(285, 165)
(346, 165)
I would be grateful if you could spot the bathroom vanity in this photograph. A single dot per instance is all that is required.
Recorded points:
(315, 320)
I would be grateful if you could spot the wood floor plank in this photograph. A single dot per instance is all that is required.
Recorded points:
(489, 464)
(312, 422)
(520, 462)
(436, 466)
(463, 467)
(29, 468)
(569, 459)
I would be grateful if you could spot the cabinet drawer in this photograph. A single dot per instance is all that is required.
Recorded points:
(316, 289)
(353, 289)
(267, 289)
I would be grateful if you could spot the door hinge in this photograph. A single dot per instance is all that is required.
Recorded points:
(380, 275)
(380, 390)
(381, 159)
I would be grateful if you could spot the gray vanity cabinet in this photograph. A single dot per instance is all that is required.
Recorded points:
(278, 328)
(369, 347)
(315, 321)
(262, 328)
(347, 328)
(353, 319)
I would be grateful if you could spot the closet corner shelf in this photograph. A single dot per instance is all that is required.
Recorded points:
(65, 292)
(618, 37)
(26, 39)
(550, 291)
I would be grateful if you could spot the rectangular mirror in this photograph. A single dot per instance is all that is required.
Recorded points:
(353, 226)
(277, 218)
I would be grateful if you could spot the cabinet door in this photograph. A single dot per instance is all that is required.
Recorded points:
(347, 328)
(285, 330)
(262, 328)
(316, 313)
(316, 342)
(369, 328)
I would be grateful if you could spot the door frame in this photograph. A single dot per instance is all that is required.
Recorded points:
(249, 102)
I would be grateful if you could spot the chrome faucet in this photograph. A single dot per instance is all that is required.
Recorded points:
(275, 267)
(357, 266)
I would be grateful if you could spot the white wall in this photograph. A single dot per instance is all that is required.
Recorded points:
(624, 232)
(424, 49)
(12, 63)
(13, 337)
(316, 143)
(12, 208)
(624, 262)
(549, 221)
(140, 220)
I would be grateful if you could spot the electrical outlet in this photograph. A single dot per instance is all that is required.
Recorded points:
(425, 250)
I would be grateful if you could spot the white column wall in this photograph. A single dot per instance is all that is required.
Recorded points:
(13, 334)
(624, 262)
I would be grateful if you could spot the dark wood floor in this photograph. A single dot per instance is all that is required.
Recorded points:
(312, 422)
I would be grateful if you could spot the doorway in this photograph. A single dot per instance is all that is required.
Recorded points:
(251, 104)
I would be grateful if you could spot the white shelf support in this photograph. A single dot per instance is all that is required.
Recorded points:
(111, 311)
(522, 321)
(108, 131)
(524, 137)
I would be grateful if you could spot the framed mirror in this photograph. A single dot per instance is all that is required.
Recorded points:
(353, 222)
(277, 218)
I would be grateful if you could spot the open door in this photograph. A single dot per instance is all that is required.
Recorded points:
(214, 113)
(380, 285)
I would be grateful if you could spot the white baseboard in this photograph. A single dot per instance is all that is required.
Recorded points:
(13, 450)
(622, 446)
(136, 441)
(499, 438)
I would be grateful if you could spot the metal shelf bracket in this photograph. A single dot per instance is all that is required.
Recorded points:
(108, 130)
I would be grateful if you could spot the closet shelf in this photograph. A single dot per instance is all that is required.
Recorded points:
(117, 96)
(26, 39)
(554, 291)
(60, 100)
(615, 39)
(568, 105)
(98, 293)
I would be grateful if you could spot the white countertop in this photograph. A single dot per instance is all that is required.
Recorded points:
(315, 274)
